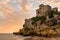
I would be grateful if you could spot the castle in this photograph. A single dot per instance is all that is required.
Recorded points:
(46, 11)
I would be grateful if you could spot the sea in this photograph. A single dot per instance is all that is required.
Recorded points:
(20, 37)
(10, 36)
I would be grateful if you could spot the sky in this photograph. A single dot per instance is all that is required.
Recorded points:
(14, 12)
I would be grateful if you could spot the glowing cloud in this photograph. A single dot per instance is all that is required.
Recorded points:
(25, 5)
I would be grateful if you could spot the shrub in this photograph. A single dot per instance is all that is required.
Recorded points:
(50, 14)
(42, 19)
(35, 18)
(58, 13)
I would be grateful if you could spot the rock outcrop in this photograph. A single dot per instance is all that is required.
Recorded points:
(46, 23)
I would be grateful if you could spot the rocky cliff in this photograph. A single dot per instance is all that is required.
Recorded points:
(46, 23)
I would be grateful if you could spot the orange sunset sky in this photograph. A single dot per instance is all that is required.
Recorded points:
(14, 12)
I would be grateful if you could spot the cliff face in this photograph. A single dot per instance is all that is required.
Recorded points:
(46, 22)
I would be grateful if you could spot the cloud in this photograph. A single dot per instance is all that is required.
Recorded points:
(25, 5)
(13, 12)
(4, 1)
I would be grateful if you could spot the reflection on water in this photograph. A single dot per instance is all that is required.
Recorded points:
(11, 37)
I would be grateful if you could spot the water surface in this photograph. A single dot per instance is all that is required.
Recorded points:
(11, 37)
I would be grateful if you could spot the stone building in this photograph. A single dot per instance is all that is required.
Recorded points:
(43, 10)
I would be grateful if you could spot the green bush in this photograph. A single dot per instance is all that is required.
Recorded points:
(58, 13)
(42, 19)
(50, 14)
(55, 12)
(36, 18)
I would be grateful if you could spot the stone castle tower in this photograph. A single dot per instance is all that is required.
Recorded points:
(43, 10)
